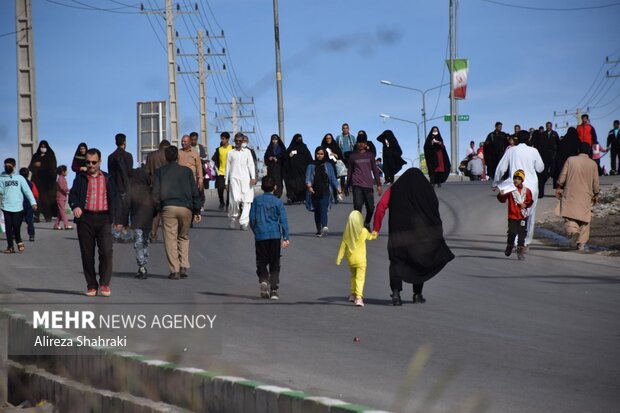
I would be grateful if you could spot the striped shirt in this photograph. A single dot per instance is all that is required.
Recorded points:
(96, 194)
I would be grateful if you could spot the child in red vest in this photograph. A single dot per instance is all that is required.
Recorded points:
(519, 200)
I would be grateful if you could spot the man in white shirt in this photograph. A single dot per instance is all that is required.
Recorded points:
(522, 156)
(240, 178)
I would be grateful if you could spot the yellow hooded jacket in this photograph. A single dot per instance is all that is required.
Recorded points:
(353, 245)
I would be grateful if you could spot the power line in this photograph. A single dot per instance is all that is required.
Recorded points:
(609, 114)
(591, 86)
(517, 6)
(89, 7)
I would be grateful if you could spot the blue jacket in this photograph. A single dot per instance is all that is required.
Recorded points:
(331, 175)
(13, 188)
(268, 218)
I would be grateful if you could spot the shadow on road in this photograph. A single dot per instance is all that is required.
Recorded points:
(50, 291)
(557, 279)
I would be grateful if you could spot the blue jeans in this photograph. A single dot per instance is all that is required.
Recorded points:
(29, 218)
(321, 206)
(141, 246)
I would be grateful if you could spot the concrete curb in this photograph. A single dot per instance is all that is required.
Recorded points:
(157, 381)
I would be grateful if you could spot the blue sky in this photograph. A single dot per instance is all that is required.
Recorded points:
(93, 66)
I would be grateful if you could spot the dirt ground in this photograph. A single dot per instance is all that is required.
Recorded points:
(605, 226)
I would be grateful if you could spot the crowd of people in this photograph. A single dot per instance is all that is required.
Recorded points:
(167, 190)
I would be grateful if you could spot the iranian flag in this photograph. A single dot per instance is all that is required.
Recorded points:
(459, 76)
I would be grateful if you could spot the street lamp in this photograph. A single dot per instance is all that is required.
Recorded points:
(417, 126)
(422, 92)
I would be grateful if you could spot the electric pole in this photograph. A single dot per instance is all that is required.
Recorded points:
(237, 114)
(172, 75)
(27, 123)
(453, 117)
(276, 27)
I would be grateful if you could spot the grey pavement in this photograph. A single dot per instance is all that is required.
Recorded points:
(540, 335)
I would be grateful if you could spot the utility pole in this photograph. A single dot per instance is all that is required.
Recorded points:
(236, 114)
(172, 75)
(609, 62)
(276, 27)
(204, 134)
(453, 118)
(27, 120)
(563, 114)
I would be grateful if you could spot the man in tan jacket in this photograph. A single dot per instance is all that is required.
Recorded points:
(578, 187)
(190, 158)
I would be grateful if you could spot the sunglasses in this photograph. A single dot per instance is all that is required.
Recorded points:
(92, 162)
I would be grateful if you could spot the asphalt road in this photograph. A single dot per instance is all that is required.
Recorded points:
(540, 335)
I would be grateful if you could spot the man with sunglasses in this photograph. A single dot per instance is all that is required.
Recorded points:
(240, 179)
(94, 201)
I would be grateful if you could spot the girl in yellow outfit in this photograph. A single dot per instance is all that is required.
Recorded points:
(353, 248)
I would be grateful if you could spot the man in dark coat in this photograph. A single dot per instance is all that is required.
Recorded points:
(120, 162)
(568, 146)
(613, 144)
(547, 145)
(494, 148)
(154, 161)
(392, 155)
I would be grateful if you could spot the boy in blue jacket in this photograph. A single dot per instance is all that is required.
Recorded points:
(270, 227)
(13, 188)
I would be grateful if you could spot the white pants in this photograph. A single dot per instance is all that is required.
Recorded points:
(531, 221)
(234, 209)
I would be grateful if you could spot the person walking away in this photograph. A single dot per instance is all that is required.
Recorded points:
(297, 159)
(568, 146)
(494, 148)
(547, 145)
(62, 192)
(361, 174)
(28, 211)
(240, 180)
(139, 209)
(270, 226)
(95, 205)
(613, 145)
(416, 246)
(120, 162)
(219, 159)
(320, 178)
(526, 158)
(13, 190)
(245, 145)
(275, 155)
(353, 248)
(392, 155)
(578, 189)
(519, 200)
(437, 159)
(586, 132)
(597, 149)
(154, 161)
(175, 195)
(43, 167)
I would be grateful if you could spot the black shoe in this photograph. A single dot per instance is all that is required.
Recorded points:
(142, 273)
(508, 250)
(418, 299)
(274, 295)
(438, 185)
(221, 207)
(183, 272)
(174, 276)
(32, 238)
(396, 298)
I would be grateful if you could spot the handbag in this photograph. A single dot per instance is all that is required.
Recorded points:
(341, 169)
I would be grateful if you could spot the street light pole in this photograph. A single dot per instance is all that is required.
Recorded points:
(276, 27)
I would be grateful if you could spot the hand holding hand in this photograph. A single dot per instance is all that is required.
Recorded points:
(35, 207)
(379, 189)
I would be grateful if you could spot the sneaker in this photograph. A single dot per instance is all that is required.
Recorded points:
(521, 253)
(352, 298)
(573, 240)
(396, 301)
(9, 250)
(581, 247)
(21, 247)
(359, 302)
(264, 290)
(174, 276)
(105, 291)
(274, 295)
(232, 224)
(32, 238)
(243, 227)
(418, 299)
(141, 274)
(91, 292)
(324, 231)
(318, 234)
(183, 272)
(508, 250)
(221, 207)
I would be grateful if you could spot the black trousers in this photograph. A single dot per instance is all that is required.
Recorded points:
(396, 283)
(95, 230)
(361, 197)
(517, 228)
(268, 255)
(29, 218)
(13, 223)
(220, 184)
(615, 156)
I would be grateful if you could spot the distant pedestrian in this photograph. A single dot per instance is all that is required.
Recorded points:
(335, 158)
(275, 156)
(578, 188)
(586, 131)
(154, 161)
(568, 146)
(346, 141)
(219, 159)
(519, 201)
(120, 162)
(43, 167)
(362, 173)
(475, 167)
(246, 145)
(95, 205)
(392, 155)
(62, 193)
(613, 144)
(79, 159)
(547, 146)
(270, 226)
(175, 195)
(353, 249)
(471, 150)
(320, 181)
(598, 152)
(139, 209)
(240, 180)
(416, 245)
(297, 159)
(437, 159)
(191, 159)
(494, 148)
(13, 190)
(28, 211)
(200, 149)
(528, 159)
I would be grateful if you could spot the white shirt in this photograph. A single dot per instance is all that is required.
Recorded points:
(521, 157)
(239, 171)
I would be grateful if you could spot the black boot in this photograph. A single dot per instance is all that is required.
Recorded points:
(396, 298)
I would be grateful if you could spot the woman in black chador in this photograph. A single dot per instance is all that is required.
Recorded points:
(416, 246)
(436, 155)
(297, 159)
(43, 167)
(568, 146)
(392, 155)
(275, 155)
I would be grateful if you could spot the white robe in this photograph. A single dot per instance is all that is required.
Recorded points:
(239, 171)
(528, 159)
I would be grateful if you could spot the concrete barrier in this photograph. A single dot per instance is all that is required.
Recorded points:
(107, 380)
